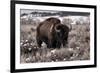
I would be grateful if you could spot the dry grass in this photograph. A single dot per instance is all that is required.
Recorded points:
(78, 46)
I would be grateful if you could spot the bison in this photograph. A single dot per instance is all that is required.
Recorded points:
(52, 32)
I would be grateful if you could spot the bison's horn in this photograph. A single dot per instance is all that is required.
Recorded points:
(56, 29)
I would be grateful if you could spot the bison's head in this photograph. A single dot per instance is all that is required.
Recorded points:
(62, 32)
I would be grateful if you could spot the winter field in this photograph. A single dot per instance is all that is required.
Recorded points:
(78, 47)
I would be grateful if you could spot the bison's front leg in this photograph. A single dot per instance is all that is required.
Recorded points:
(64, 44)
(49, 44)
(58, 44)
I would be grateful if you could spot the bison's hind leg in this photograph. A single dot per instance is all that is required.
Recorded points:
(39, 42)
